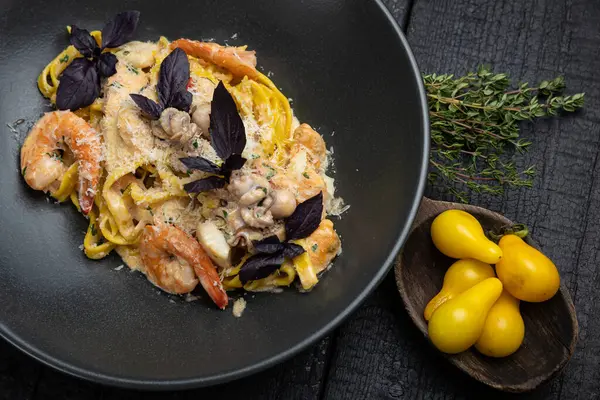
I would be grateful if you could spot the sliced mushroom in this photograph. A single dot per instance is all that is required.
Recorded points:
(235, 221)
(284, 203)
(253, 196)
(214, 242)
(244, 238)
(257, 217)
(175, 125)
(240, 183)
(201, 117)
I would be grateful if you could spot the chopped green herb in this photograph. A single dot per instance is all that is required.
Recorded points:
(189, 172)
(271, 172)
(264, 189)
(195, 144)
(93, 229)
(24, 171)
(150, 211)
(305, 174)
(64, 59)
(255, 156)
(116, 84)
(314, 247)
(225, 214)
(132, 69)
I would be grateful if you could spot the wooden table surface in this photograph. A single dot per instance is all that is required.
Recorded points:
(377, 353)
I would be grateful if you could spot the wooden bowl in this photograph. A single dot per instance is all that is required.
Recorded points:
(551, 327)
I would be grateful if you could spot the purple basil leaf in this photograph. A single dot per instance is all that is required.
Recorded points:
(83, 41)
(227, 132)
(292, 250)
(201, 164)
(269, 245)
(233, 162)
(173, 77)
(260, 266)
(119, 30)
(107, 64)
(305, 219)
(181, 101)
(79, 85)
(150, 109)
(204, 185)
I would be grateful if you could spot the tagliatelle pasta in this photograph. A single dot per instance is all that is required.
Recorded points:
(144, 161)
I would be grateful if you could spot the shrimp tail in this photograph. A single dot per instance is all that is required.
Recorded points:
(209, 279)
(160, 241)
(239, 61)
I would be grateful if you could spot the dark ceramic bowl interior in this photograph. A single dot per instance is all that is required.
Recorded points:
(351, 75)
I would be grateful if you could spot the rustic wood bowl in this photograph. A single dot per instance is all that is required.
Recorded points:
(551, 327)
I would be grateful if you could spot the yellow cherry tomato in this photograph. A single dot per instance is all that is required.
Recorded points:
(457, 324)
(461, 275)
(458, 234)
(504, 328)
(525, 272)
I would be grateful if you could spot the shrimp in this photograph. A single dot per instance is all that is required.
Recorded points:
(157, 245)
(239, 61)
(42, 166)
(306, 137)
(299, 177)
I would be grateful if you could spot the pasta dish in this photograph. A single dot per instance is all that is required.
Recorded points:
(187, 161)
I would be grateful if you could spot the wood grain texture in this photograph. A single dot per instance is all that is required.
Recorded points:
(551, 329)
(18, 373)
(379, 353)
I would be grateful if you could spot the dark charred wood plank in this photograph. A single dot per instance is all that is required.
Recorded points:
(379, 353)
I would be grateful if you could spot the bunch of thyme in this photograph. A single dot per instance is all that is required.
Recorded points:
(475, 128)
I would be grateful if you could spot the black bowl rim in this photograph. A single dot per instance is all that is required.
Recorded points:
(190, 383)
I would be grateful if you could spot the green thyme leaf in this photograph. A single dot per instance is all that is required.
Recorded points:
(475, 122)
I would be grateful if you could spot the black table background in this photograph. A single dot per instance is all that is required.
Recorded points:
(377, 353)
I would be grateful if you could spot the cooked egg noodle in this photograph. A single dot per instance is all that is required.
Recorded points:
(267, 104)
(111, 224)
(283, 276)
(48, 79)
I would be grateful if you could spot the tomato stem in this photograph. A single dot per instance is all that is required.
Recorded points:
(519, 230)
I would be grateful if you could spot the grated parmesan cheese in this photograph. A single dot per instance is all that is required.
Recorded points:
(238, 307)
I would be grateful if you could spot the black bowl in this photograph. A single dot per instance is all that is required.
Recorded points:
(350, 73)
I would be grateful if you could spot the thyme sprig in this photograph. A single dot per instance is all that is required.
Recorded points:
(475, 121)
